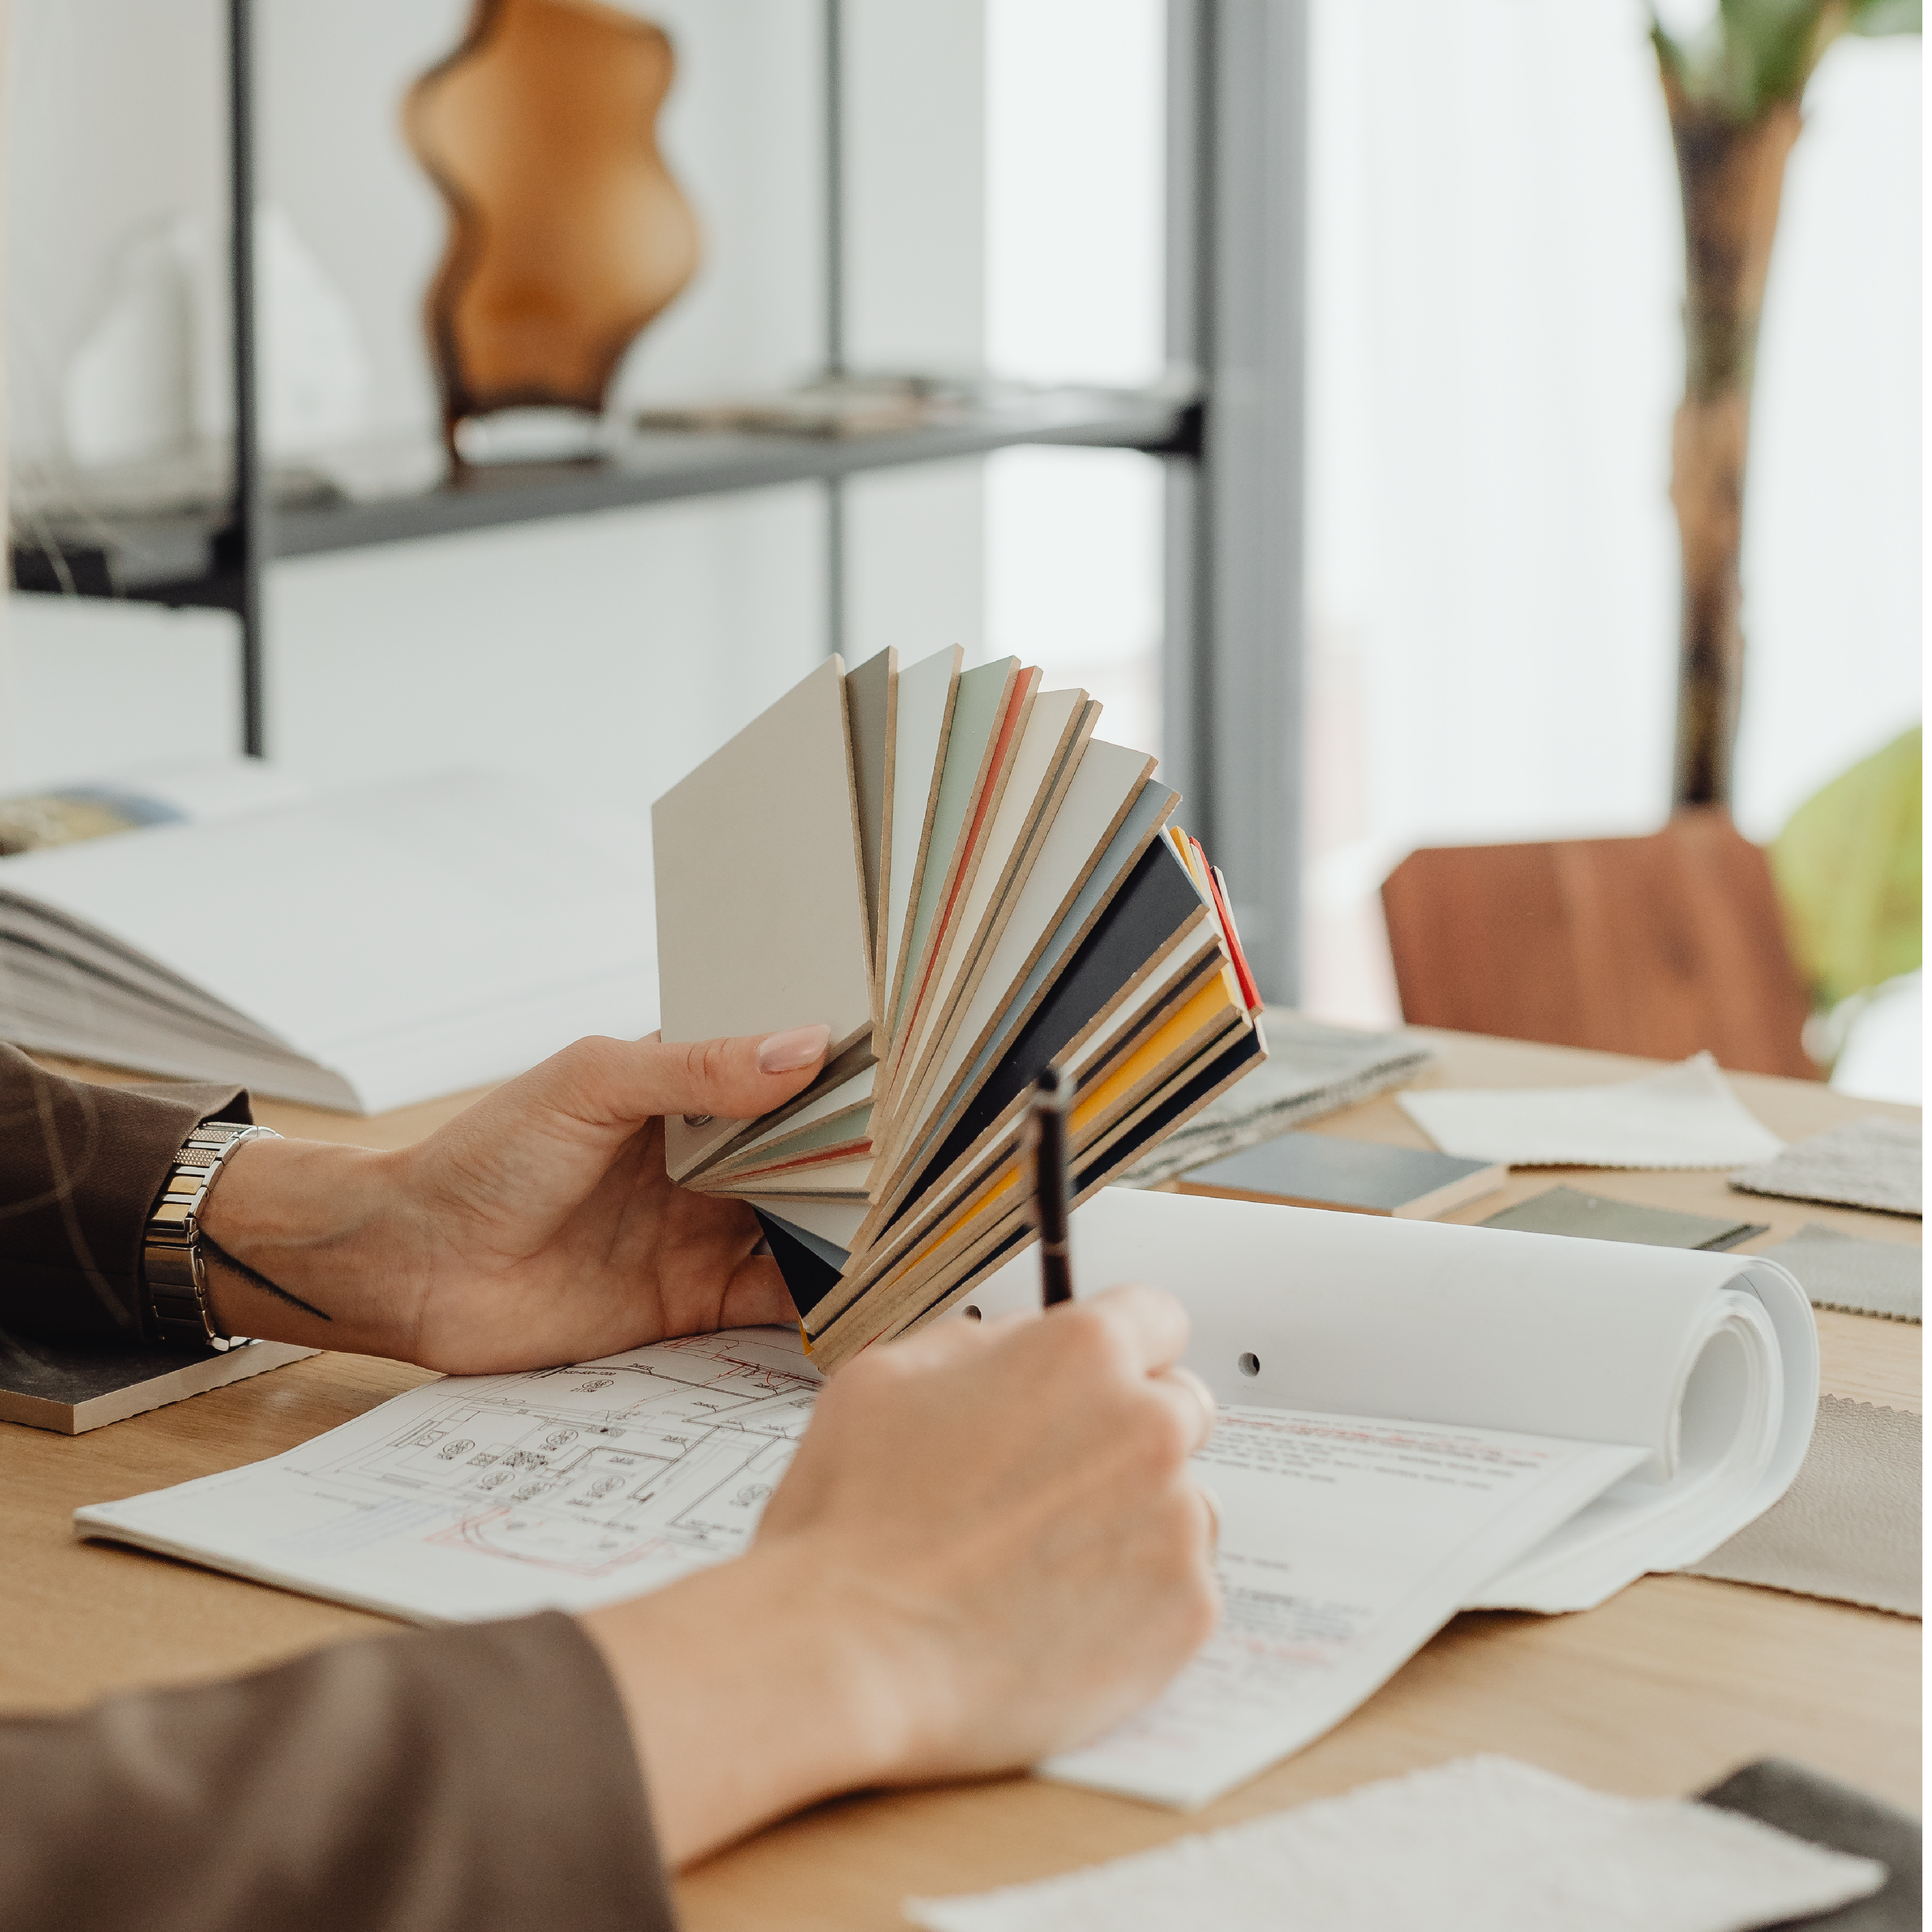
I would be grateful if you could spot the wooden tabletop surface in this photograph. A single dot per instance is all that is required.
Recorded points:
(1675, 1682)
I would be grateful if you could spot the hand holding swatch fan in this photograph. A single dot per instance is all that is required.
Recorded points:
(949, 869)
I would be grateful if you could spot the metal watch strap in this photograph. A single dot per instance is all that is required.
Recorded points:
(172, 1262)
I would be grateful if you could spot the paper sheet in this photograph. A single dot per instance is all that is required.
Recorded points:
(1572, 1413)
(1345, 1544)
(1708, 1361)
(1684, 1116)
(428, 985)
(1480, 1845)
(481, 1496)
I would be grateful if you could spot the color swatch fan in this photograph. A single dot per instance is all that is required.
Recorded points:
(947, 867)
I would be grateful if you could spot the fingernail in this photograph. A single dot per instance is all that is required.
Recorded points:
(786, 1052)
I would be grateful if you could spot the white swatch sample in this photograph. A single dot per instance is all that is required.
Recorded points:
(1483, 1844)
(1681, 1116)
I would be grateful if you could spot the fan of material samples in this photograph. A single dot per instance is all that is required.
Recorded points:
(949, 868)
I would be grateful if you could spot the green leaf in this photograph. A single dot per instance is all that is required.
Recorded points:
(1875, 17)
(1770, 46)
(1757, 53)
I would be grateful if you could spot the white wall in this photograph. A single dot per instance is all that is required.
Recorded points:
(1832, 591)
(612, 651)
(916, 299)
(1075, 108)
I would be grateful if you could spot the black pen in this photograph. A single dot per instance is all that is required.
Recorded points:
(1052, 1100)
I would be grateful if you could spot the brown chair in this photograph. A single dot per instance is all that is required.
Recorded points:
(1660, 946)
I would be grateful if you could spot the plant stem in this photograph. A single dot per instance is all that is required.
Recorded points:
(1731, 175)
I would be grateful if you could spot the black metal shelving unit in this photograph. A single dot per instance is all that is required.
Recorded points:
(187, 559)
(1231, 443)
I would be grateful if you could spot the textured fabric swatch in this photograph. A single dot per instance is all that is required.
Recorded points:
(1810, 1806)
(1872, 1163)
(1849, 1527)
(1312, 1069)
(1682, 1116)
(1839, 1270)
(1569, 1210)
(1484, 1844)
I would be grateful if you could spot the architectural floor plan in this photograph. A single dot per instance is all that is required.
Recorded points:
(587, 1469)
(477, 1495)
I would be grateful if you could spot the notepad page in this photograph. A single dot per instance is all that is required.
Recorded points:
(1345, 1544)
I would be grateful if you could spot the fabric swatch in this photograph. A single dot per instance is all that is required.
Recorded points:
(1811, 1806)
(1484, 1844)
(1681, 1116)
(1568, 1210)
(1849, 1528)
(1839, 1270)
(1312, 1069)
(1870, 1163)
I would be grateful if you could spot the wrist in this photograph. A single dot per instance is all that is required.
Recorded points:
(752, 1689)
(300, 1241)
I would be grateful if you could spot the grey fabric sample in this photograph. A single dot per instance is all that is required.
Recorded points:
(1311, 1069)
(1791, 1798)
(1839, 1270)
(1568, 1210)
(1849, 1527)
(1869, 1163)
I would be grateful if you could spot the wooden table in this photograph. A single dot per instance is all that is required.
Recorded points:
(1673, 1683)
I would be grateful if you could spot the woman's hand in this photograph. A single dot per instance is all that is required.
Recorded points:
(537, 1227)
(988, 1549)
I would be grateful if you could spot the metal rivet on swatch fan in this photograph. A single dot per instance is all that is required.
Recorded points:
(1250, 1365)
(697, 1119)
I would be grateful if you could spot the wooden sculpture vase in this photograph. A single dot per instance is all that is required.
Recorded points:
(567, 233)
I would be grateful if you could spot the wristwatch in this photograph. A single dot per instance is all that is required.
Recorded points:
(176, 1273)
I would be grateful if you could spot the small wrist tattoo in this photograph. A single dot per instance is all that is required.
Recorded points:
(255, 1279)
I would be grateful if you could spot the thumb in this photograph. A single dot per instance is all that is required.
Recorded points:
(733, 1079)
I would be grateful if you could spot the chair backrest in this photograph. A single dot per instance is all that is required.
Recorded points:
(1661, 946)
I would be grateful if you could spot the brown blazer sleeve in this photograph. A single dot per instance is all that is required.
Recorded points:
(80, 1166)
(476, 1779)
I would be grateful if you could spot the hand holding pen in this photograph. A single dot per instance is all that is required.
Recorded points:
(1052, 1103)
